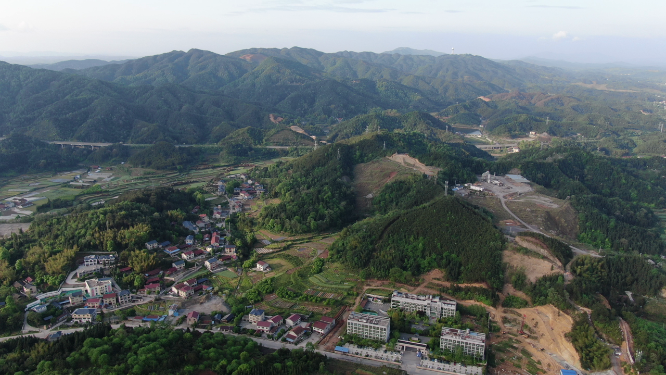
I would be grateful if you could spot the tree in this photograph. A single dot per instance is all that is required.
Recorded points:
(141, 261)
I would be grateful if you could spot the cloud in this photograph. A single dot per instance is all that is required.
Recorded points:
(453, 11)
(310, 8)
(556, 7)
(576, 39)
(560, 35)
(3, 27)
(25, 27)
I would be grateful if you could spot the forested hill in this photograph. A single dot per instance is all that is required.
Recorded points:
(315, 190)
(447, 234)
(201, 97)
(419, 122)
(59, 106)
(615, 197)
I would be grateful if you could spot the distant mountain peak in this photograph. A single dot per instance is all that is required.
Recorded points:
(412, 51)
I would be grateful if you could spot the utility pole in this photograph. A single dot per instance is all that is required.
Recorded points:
(446, 188)
(384, 145)
(547, 120)
(338, 154)
(315, 140)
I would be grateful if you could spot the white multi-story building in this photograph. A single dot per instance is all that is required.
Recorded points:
(472, 343)
(369, 326)
(84, 315)
(97, 287)
(104, 260)
(432, 306)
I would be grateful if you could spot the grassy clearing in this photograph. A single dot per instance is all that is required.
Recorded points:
(227, 274)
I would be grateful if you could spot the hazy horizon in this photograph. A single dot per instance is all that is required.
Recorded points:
(575, 31)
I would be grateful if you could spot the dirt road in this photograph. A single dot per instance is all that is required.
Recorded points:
(626, 332)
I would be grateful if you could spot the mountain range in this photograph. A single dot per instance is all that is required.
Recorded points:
(202, 97)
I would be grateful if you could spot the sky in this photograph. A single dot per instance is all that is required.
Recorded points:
(592, 31)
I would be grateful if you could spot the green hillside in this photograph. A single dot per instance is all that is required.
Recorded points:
(59, 106)
(315, 190)
(202, 97)
(447, 234)
(411, 122)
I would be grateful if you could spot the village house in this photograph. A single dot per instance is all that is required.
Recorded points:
(230, 249)
(263, 266)
(182, 290)
(256, 315)
(125, 270)
(153, 288)
(293, 320)
(153, 273)
(151, 245)
(189, 240)
(191, 282)
(124, 297)
(76, 298)
(192, 317)
(94, 303)
(198, 253)
(190, 226)
(165, 244)
(215, 240)
(39, 309)
(172, 250)
(213, 264)
(179, 265)
(264, 325)
(188, 255)
(168, 273)
(295, 334)
(324, 325)
(25, 287)
(84, 315)
(109, 299)
(276, 320)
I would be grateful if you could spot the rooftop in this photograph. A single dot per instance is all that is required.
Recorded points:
(416, 297)
(293, 317)
(94, 282)
(256, 312)
(463, 334)
(369, 319)
(320, 325)
(84, 311)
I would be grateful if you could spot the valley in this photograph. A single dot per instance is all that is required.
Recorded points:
(475, 216)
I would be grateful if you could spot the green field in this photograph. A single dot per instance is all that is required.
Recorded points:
(330, 281)
(228, 274)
